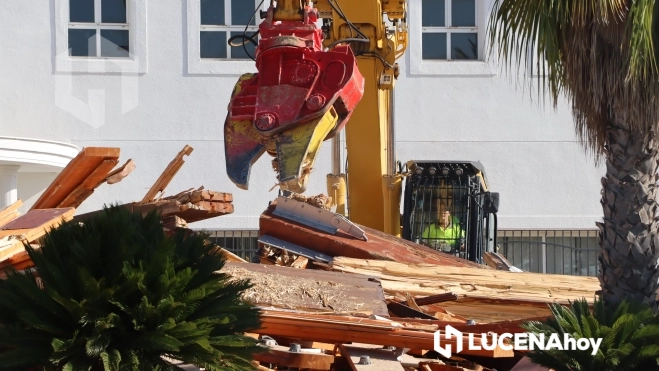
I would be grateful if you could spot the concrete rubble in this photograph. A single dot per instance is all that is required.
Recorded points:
(329, 300)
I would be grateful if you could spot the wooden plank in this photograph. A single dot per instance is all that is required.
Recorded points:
(195, 196)
(379, 246)
(10, 212)
(311, 290)
(189, 212)
(86, 188)
(167, 175)
(11, 240)
(335, 330)
(280, 356)
(74, 174)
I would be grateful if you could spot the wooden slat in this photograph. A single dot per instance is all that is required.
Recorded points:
(78, 169)
(10, 212)
(167, 175)
(86, 188)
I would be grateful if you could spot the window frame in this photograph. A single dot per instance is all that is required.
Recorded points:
(98, 25)
(447, 67)
(135, 63)
(216, 66)
(449, 29)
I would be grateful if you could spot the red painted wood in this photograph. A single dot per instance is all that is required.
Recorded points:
(379, 245)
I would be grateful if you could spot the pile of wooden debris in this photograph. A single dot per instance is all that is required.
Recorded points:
(332, 301)
(332, 297)
(91, 168)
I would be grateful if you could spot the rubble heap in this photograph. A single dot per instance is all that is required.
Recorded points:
(329, 301)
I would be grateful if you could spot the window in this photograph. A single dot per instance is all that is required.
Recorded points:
(449, 30)
(243, 243)
(100, 36)
(221, 20)
(98, 29)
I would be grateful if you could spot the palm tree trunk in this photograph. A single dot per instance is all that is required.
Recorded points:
(628, 235)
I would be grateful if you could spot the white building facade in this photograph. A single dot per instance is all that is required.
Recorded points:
(151, 76)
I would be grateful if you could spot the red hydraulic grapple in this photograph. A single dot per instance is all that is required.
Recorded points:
(300, 97)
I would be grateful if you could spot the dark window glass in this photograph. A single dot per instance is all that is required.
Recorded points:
(114, 43)
(81, 11)
(238, 52)
(463, 13)
(464, 46)
(433, 46)
(82, 43)
(212, 12)
(433, 13)
(241, 12)
(113, 11)
(213, 44)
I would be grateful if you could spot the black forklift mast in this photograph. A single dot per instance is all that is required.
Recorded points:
(431, 188)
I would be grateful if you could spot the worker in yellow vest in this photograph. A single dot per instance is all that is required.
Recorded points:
(445, 234)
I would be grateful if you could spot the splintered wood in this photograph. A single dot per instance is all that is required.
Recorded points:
(276, 290)
(483, 295)
(321, 201)
(309, 290)
(167, 175)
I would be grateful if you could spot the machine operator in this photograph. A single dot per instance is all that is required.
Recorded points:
(445, 234)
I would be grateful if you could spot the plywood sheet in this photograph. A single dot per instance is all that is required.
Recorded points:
(310, 290)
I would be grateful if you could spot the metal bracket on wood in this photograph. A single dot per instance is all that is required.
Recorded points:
(315, 217)
(295, 249)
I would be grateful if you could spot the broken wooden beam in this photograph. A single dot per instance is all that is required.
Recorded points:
(167, 175)
(202, 208)
(77, 181)
(120, 173)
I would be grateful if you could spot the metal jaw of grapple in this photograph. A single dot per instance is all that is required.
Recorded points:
(300, 97)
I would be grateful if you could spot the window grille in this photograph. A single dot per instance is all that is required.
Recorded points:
(570, 252)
